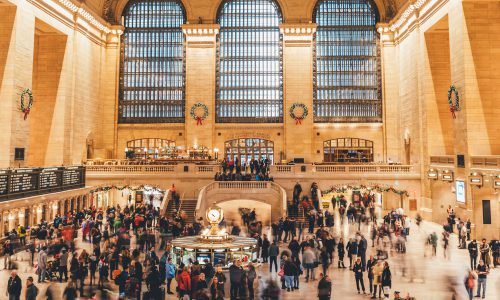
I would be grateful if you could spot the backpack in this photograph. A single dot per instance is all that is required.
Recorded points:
(115, 275)
(470, 282)
(23, 230)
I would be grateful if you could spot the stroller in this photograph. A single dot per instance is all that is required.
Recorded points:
(52, 270)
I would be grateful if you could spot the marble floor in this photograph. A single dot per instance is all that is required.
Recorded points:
(424, 277)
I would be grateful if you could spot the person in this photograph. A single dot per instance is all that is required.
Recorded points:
(324, 287)
(8, 251)
(184, 282)
(341, 252)
(221, 279)
(42, 264)
(251, 275)
(308, 258)
(153, 283)
(63, 265)
(473, 250)
(386, 279)
(69, 292)
(290, 271)
(482, 273)
(377, 273)
(397, 296)
(325, 260)
(14, 286)
(362, 246)
(121, 281)
(265, 248)
(237, 278)
(273, 257)
(31, 289)
(469, 283)
(484, 249)
(358, 274)
(369, 268)
(170, 271)
(103, 271)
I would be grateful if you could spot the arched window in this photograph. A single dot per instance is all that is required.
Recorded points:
(152, 84)
(249, 63)
(347, 86)
(348, 150)
(246, 149)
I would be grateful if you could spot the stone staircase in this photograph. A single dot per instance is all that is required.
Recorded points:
(189, 206)
(299, 216)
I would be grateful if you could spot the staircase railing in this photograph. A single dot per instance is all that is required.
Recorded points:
(164, 203)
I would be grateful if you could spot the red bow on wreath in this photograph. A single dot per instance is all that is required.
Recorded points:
(199, 121)
(298, 121)
(452, 110)
(26, 112)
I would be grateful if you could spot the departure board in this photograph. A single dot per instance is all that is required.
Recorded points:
(23, 180)
(50, 178)
(72, 176)
(4, 182)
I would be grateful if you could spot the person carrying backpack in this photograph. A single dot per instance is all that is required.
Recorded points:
(470, 283)
(184, 282)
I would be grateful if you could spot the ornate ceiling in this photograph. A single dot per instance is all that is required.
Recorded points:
(293, 10)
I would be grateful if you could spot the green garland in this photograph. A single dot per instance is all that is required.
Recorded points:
(26, 109)
(378, 188)
(120, 188)
(298, 119)
(453, 106)
(193, 114)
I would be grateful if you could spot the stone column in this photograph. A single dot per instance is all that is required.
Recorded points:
(17, 31)
(12, 219)
(21, 216)
(298, 88)
(200, 58)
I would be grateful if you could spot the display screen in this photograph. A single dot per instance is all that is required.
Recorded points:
(219, 258)
(72, 176)
(460, 190)
(200, 257)
(23, 180)
(4, 182)
(50, 178)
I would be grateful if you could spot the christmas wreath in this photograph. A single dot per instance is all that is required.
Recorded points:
(298, 112)
(199, 112)
(26, 108)
(454, 106)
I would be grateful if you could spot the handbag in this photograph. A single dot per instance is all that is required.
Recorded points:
(386, 290)
(281, 273)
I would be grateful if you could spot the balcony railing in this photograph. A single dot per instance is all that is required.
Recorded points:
(341, 169)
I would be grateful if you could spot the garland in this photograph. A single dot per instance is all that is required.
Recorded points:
(453, 106)
(378, 188)
(120, 188)
(196, 115)
(26, 109)
(298, 118)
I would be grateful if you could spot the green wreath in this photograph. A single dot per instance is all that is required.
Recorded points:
(453, 106)
(26, 109)
(298, 118)
(195, 112)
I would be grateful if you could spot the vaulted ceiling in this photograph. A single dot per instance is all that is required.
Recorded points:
(293, 10)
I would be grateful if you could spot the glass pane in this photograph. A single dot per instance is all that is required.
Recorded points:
(249, 63)
(152, 83)
(347, 84)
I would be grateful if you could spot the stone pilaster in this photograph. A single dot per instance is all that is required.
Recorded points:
(298, 88)
(201, 48)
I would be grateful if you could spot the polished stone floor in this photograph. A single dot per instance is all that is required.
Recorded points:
(415, 272)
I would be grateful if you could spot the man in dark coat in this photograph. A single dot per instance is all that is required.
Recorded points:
(265, 248)
(237, 278)
(14, 286)
(324, 287)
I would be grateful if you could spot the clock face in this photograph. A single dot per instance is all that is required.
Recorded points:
(213, 215)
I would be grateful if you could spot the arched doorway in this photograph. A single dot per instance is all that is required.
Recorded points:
(348, 150)
(151, 148)
(247, 148)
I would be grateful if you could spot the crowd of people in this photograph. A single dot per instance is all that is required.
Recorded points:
(253, 170)
(128, 249)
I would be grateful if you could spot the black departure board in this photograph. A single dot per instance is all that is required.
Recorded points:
(23, 180)
(4, 182)
(17, 183)
(50, 178)
(72, 176)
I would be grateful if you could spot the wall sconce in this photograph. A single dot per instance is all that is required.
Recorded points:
(432, 174)
(476, 179)
(21, 214)
(216, 153)
(11, 217)
(447, 175)
(54, 206)
(39, 210)
(496, 183)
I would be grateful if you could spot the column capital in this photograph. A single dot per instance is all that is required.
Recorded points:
(298, 34)
(201, 35)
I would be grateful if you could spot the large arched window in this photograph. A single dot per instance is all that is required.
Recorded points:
(347, 85)
(152, 85)
(249, 64)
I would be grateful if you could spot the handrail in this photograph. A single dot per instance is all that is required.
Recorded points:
(164, 203)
